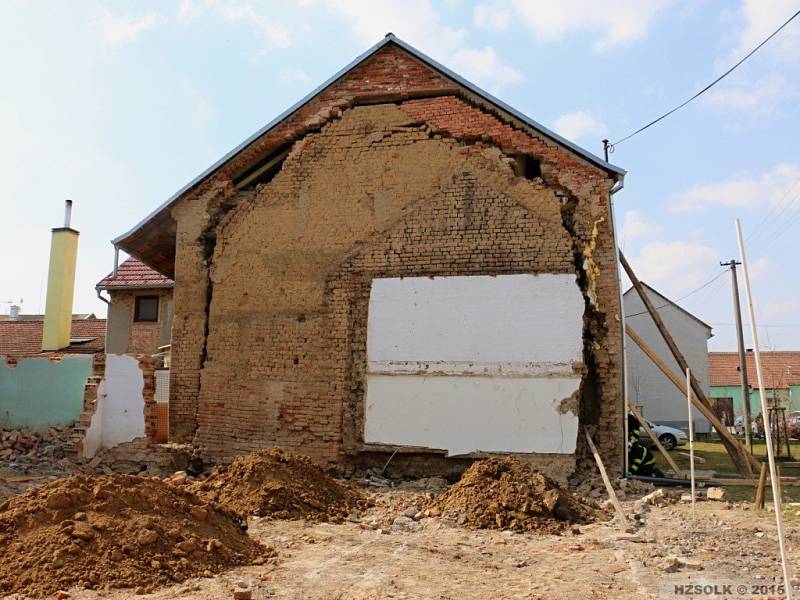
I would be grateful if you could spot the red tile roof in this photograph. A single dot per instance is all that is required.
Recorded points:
(780, 369)
(133, 273)
(24, 338)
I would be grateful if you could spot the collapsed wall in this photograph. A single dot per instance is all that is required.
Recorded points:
(276, 281)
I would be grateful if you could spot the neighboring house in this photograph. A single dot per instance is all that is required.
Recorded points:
(648, 388)
(400, 262)
(139, 309)
(781, 373)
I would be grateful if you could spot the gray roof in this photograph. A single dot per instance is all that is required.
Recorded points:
(390, 38)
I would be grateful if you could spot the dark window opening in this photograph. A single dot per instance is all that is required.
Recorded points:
(262, 172)
(528, 167)
(146, 308)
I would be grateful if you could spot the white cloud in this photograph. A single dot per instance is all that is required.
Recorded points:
(121, 29)
(417, 23)
(616, 21)
(636, 225)
(762, 17)
(273, 34)
(580, 124)
(763, 96)
(484, 65)
(491, 16)
(675, 267)
(199, 108)
(295, 75)
(743, 191)
(759, 267)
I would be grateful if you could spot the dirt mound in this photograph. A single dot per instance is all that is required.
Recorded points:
(505, 493)
(115, 531)
(281, 485)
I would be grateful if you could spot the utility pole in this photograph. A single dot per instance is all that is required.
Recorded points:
(742, 357)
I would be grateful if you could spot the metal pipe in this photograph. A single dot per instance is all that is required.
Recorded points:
(67, 212)
(116, 261)
(101, 298)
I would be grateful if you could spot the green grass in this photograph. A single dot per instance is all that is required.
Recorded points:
(717, 460)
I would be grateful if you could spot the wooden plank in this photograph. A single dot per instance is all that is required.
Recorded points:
(654, 437)
(762, 483)
(611, 493)
(739, 455)
(706, 411)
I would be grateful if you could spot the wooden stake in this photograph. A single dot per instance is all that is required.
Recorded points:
(676, 381)
(643, 422)
(737, 452)
(762, 483)
(776, 482)
(607, 482)
(691, 432)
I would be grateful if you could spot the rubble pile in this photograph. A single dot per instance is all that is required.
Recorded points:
(505, 493)
(281, 485)
(116, 531)
(21, 448)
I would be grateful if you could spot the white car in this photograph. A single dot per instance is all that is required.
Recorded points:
(668, 436)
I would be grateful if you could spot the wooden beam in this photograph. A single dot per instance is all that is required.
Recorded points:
(740, 457)
(705, 410)
(762, 483)
(607, 482)
(654, 437)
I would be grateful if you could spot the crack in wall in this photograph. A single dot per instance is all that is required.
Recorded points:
(590, 391)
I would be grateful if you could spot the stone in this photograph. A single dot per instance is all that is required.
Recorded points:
(199, 513)
(146, 537)
(715, 493)
(655, 497)
(83, 531)
(671, 564)
(404, 524)
(410, 512)
(242, 595)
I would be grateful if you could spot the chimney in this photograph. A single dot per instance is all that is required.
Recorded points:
(13, 312)
(60, 285)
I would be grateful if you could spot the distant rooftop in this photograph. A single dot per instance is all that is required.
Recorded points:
(75, 317)
(134, 274)
(24, 337)
(781, 369)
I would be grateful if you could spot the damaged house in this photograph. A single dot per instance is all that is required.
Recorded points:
(400, 263)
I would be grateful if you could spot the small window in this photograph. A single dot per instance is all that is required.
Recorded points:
(146, 308)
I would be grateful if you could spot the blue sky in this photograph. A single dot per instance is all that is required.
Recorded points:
(118, 104)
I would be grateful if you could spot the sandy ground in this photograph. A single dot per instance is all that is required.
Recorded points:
(439, 560)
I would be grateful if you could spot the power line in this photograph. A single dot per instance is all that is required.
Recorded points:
(694, 291)
(755, 233)
(709, 86)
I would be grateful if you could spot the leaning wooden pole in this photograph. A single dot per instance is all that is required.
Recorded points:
(704, 410)
(774, 475)
(740, 457)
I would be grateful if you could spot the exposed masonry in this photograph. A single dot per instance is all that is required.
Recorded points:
(272, 285)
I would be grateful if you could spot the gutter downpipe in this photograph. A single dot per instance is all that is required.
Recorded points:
(620, 183)
(98, 290)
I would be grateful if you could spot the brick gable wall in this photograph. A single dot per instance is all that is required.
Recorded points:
(271, 286)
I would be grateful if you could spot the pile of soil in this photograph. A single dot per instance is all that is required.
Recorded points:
(116, 531)
(281, 485)
(505, 493)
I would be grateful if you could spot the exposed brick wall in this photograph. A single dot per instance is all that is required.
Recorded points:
(270, 296)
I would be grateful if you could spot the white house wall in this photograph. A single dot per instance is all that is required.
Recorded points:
(474, 363)
(648, 387)
(119, 414)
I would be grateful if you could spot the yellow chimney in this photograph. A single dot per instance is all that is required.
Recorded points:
(60, 285)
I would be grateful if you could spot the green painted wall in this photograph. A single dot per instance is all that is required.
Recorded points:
(735, 392)
(38, 392)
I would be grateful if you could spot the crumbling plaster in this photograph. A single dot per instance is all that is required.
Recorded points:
(278, 327)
